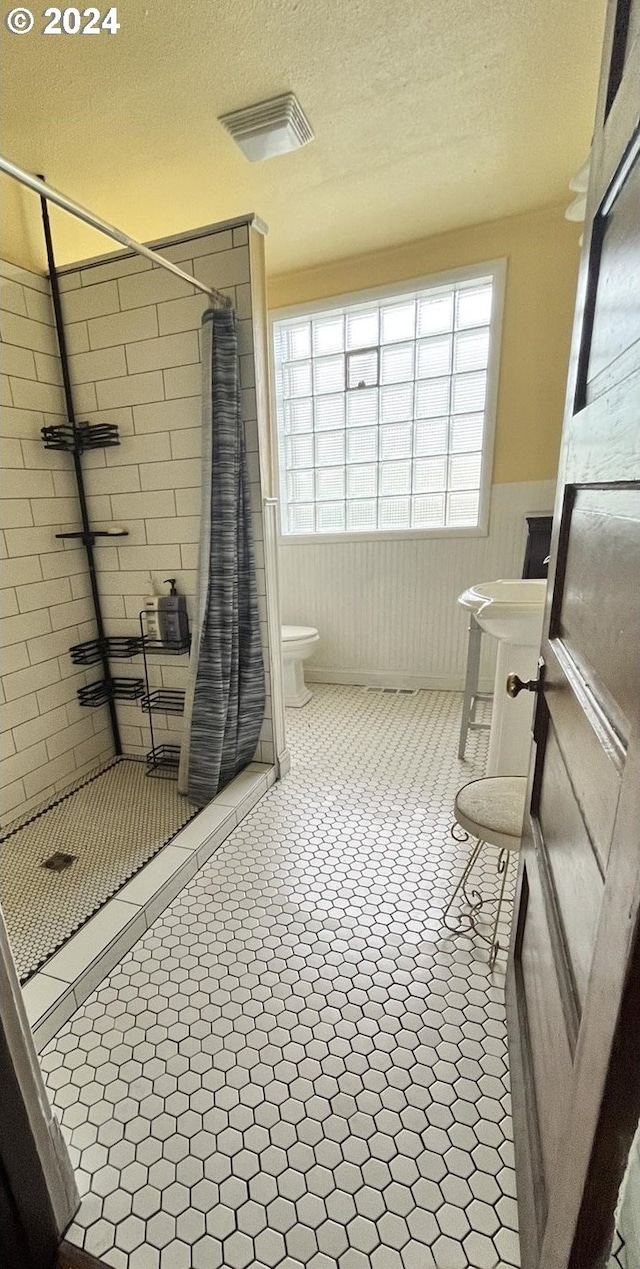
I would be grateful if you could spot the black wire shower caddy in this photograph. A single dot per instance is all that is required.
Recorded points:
(77, 438)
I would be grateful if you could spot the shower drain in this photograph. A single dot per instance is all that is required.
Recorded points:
(59, 861)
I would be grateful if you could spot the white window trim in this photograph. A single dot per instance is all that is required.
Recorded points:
(498, 269)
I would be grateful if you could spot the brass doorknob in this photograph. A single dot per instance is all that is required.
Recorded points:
(515, 685)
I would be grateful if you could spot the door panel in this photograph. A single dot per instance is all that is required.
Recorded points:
(588, 745)
(574, 971)
(575, 875)
(616, 263)
(603, 538)
(550, 1055)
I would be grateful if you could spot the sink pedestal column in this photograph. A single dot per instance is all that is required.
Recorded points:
(511, 721)
(511, 610)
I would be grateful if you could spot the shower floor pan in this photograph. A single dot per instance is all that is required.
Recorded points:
(82, 878)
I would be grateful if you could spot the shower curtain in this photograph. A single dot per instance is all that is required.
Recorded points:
(225, 696)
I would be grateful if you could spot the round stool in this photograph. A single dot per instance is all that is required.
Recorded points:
(492, 811)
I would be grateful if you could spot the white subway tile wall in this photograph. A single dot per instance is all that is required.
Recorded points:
(133, 339)
(134, 332)
(48, 739)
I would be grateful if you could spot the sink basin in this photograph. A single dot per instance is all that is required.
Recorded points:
(509, 609)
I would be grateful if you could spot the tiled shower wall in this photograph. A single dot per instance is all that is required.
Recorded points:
(47, 738)
(133, 334)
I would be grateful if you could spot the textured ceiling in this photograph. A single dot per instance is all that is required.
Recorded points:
(428, 115)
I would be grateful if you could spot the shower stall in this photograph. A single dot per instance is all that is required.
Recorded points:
(103, 445)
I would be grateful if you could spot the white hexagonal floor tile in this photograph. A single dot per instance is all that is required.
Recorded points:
(298, 1066)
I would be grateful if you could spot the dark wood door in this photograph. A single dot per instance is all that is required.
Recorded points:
(573, 987)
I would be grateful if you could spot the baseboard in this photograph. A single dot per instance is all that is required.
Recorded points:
(70, 1257)
(390, 678)
(284, 762)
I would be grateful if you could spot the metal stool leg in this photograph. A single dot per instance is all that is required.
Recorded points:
(504, 859)
(471, 694)
(474, 901)
(461, 886)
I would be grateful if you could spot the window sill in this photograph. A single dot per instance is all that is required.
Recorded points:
(391, 535)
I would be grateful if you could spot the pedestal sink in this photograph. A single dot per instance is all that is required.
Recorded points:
(512, 612)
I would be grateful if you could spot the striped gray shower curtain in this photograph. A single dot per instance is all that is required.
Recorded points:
(225, 696)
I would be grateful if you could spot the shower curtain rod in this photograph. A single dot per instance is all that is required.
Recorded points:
(75, 209)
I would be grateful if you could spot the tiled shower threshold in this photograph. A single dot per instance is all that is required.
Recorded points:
(54, 993)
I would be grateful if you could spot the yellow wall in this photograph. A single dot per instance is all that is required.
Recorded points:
(542, 251)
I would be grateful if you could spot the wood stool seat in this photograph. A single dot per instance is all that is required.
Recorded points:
(492, 811)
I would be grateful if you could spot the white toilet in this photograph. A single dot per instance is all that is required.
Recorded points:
(298, 643)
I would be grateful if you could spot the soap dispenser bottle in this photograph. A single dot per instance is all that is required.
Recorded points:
(172, 616)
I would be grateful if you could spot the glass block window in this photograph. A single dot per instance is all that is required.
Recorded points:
(382, 411)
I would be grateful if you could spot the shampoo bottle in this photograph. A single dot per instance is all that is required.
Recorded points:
(172, 616)
(151, 612)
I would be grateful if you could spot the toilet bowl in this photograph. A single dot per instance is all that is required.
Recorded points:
(298, 643)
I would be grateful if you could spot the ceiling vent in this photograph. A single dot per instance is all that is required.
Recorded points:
(272, 127)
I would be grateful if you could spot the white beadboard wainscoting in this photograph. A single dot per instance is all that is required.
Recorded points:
(386, 610)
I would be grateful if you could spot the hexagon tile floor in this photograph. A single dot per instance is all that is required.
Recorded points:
(298, 1066)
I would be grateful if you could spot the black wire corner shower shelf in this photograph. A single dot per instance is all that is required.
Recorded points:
(116, 646)
(168, 647)
(163, 760)
(89, 537)
(163, 700)
(114, 689)
(82, 437)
